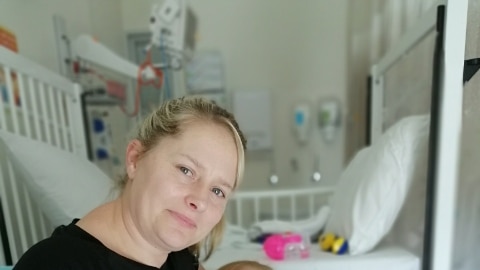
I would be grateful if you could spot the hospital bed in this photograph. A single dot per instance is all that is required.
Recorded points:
(48, 112)
(431, 192)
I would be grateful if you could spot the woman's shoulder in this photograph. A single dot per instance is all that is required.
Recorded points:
(66, 238)
(67, 244)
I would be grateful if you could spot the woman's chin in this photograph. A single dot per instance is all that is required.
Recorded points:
(176, 239)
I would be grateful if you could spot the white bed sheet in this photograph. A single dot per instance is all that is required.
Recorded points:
(235, 247)
(387, 257)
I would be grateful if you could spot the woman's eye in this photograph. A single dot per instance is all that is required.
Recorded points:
(186, 171)
(218, 192)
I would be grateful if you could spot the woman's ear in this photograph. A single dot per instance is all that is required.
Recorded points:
(132, 156)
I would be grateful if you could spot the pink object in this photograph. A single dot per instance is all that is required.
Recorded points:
(285, 246)
(116, 89)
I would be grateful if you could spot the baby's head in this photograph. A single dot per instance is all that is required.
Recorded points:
(245, 265)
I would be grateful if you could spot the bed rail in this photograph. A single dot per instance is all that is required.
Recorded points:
(39, 103)
(248, 207)
(44, 106)
(409, 40)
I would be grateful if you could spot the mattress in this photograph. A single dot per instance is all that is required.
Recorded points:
(386, 257)
(392, 258)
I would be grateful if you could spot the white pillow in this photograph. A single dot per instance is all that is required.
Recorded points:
(373, 188)
(408, 230)
(63, 185)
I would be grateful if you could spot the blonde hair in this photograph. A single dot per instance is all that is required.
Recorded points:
(243, 265)
(169, 120)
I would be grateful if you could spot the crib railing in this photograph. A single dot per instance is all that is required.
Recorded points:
(44, 106)
(248, 207)
(40, 104)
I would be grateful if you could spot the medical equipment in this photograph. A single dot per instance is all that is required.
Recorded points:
(301, 122)
(86, 48)
(172, 26)
(101, 140)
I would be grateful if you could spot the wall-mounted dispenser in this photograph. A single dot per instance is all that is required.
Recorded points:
(301, 121)
(329, 118)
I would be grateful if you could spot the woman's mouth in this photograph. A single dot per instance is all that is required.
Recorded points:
(183, 220)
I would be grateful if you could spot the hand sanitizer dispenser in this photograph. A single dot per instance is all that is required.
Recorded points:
(329, 119)
(301, 123)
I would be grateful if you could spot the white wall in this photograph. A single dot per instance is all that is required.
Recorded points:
(32, 23)
(295, 49)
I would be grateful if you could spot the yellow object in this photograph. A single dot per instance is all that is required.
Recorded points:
(338, 245)
(333, 243)
(326, 241)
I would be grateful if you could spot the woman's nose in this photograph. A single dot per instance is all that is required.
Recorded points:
(197, 200)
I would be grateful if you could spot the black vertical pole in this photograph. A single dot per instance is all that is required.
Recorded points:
(4, 236)
(86, 124)
(428, 240)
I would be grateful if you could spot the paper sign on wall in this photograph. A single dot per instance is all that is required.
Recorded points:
(9, 41)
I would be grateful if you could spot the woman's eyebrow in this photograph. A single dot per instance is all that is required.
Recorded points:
(226, 184)
(193, 160)
(222, 181)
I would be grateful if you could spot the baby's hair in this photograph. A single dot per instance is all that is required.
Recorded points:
(245, 265)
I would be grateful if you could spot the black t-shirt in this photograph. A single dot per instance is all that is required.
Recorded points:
(71, 248)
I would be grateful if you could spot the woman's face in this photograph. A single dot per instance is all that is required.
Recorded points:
(179, 189)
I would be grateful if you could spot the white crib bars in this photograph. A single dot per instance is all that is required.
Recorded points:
(277, 204)
(41, 105)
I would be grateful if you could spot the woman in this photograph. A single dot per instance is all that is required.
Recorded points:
(181, 169)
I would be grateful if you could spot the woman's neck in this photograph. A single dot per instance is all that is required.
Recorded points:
(112, 224)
